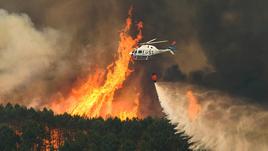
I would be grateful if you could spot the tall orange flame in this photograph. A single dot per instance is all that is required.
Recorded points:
(94, 97)
(194, 107)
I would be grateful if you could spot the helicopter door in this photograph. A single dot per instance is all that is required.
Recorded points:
(147, 52)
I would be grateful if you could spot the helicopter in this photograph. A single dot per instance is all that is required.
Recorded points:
(145, 50)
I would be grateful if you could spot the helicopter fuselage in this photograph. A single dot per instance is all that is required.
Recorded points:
(145, 51)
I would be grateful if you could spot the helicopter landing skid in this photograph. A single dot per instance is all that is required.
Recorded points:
(141, 57)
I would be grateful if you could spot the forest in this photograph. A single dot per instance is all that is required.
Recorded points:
(27, 129)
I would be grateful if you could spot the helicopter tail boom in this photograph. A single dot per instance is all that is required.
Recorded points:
(172, 49)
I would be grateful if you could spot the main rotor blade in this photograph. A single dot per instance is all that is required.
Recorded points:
(151, 40)
(156, 42)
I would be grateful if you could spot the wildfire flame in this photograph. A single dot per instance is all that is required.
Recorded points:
(130, 114)
(55, 140)
(194, 107)
(95, 96)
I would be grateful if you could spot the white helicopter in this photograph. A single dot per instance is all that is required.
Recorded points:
(146, 50)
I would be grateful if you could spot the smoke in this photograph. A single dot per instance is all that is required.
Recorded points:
(177, 22)
(222, 123)
(26, 53)
(192, 58)
(220, 45)
(53, 45)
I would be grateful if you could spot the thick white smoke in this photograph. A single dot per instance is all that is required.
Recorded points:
(224, 123)
(26, 52)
